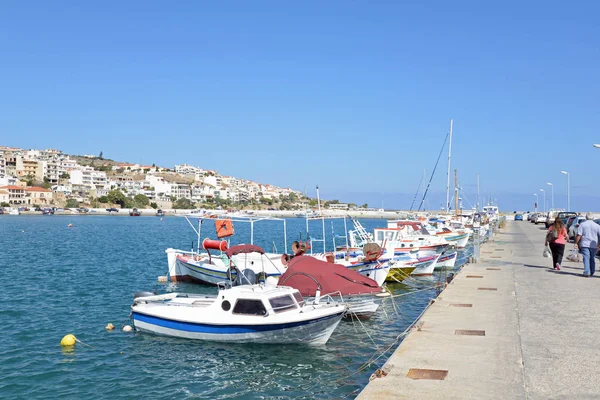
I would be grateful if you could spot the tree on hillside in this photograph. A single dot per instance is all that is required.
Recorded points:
(293, 197)
(313, 202)
(100, 156)
(72, 203)
(364, 206)
(183, 204)
(103, 199)
(117, 197)
(64, 175)
(154, 205)
(141, 200)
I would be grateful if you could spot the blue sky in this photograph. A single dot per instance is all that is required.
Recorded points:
(353, 96)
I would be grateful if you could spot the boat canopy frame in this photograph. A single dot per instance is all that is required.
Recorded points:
(251, 219)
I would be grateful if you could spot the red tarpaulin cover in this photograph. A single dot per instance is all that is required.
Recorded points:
(305, 273)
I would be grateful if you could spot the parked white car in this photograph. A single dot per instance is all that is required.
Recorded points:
(540, 219)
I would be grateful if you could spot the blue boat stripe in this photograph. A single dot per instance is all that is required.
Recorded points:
(221, 329)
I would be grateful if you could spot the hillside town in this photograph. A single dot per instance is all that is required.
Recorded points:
(51, 178)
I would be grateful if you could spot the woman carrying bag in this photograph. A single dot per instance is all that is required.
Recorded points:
(556, 238)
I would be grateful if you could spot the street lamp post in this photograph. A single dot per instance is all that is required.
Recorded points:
(536, 202)
(568, 189)
(552, 186)
(543, 191)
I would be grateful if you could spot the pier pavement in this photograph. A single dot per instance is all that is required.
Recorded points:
(508, 327)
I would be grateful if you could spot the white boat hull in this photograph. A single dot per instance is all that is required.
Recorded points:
(183, 268)
(314, 331)
(446, 261)
(425, 269)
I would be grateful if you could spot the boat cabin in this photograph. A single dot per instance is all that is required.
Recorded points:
(251, 300)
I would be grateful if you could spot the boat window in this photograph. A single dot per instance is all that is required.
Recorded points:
(299, 298)
(282, 303)
(226, 305)
(249, 307)
(379, 236)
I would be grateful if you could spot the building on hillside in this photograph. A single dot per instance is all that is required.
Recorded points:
(16, 194)
(185, 169)
(27, 167)
(126, 167)
(338, 206)
(4, 197)
(8, 180)
(2, 166)
(89, 176)
(68, 165)
(38, 195)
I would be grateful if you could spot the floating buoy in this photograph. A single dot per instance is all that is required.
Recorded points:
(70, 225)
(23, 231)
(68, 340)
(162, 279)
(109, 327)
(162, 219)
(127, 328)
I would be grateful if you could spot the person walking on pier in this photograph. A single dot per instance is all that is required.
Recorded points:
(557, 237)
(587, 240)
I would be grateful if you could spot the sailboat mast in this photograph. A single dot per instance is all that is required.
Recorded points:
(456, 205)
(478, 198)
(448, 173)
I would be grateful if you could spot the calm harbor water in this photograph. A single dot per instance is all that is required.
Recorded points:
(59, 280)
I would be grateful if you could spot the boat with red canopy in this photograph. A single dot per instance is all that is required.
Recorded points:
(314, 278)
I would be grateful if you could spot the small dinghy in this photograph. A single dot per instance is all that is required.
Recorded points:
(256, 313)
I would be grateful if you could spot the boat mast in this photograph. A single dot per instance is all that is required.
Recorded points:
(448, 173)
(455, 192)
(423, 201)
(478, 198)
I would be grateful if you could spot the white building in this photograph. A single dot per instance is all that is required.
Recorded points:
(185, 169)
(88, 176)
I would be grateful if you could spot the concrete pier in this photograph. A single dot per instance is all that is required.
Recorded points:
(508, 327)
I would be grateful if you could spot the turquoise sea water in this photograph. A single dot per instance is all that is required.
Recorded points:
(58, 280)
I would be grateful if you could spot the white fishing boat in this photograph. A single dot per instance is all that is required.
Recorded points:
(210, 265)
(426, 269)
(446, 260)
(248, 313)
(13, 211)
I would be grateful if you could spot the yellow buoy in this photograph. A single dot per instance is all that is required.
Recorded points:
(68, 340)
(110, 327)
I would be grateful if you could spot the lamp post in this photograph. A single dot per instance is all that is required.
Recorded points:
(568, 189)
(552, 186)
(543, 191)
(536, 202)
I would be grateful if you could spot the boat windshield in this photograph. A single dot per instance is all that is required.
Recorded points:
(299, 298)
(282, 303)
